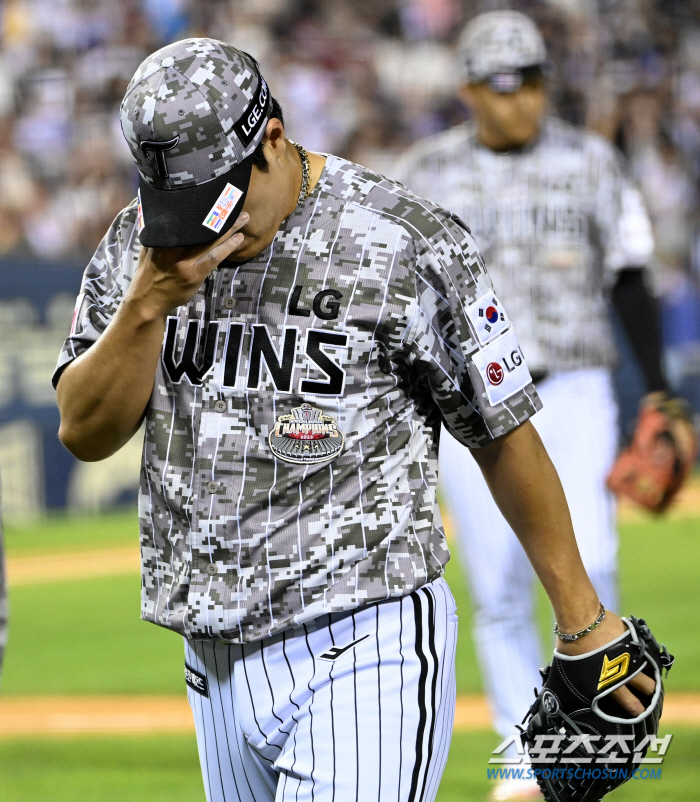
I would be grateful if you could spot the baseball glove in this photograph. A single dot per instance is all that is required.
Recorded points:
(663, 451)
(582, 744)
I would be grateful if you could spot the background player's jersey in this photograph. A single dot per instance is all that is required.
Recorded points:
(554, 222)
(290, 453)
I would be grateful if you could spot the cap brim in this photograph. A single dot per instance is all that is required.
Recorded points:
(544, 66)
(193, 215)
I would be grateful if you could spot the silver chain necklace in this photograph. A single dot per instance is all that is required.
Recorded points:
(305, 172)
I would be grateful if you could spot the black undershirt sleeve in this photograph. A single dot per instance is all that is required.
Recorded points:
(639, 314)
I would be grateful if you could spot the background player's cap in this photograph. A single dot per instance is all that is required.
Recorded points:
(500, 43)
(193, 115)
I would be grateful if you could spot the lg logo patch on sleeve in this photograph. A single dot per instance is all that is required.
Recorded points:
(502, 368)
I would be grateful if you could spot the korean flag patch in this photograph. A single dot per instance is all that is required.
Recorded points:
(488, 318)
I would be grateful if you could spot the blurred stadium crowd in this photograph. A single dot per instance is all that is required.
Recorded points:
(360, 78)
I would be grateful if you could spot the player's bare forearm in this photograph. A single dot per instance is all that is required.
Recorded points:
(527, 490)
(103, 395)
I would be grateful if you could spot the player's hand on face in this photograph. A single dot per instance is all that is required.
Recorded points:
(610, 628)
(170, 277)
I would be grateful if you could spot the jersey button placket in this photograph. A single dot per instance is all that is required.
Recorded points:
(205, 489)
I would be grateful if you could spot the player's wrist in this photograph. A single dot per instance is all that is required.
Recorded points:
(578, 612)
(143, 311)
(570, 637)
(610, 628)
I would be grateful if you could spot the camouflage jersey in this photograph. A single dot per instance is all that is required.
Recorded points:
(555, 221)
(289, 464)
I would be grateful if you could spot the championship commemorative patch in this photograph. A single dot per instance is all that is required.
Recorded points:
(196, 681)
(502, 368)
(222, 208)
(488, 318)
(306, 436)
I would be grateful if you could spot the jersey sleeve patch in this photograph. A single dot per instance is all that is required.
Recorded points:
(502, 368)
(488, 318)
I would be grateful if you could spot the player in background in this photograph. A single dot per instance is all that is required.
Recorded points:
(294, 328)
(564, 236)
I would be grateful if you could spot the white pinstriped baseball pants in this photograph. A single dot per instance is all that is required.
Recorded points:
(578, 425)
(281, 723)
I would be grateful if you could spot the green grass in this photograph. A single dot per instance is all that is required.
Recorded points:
(166, 769)
(119, 769)
(660, 580)
(86, 637)
(60, 532)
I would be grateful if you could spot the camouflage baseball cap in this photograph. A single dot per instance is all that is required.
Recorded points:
(499, 42)
(193, 115)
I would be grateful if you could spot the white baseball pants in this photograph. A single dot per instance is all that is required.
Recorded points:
(578, 425)
(354, 706)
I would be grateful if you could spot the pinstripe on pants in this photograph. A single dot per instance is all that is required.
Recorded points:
(283, 724)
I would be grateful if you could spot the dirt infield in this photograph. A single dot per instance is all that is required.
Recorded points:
(68, 566)
(79, 715)
(46, 715)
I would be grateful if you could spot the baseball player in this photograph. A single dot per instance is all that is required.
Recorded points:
(562, 234)
(294, 328)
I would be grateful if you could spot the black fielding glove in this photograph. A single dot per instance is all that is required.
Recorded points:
(575, 716)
